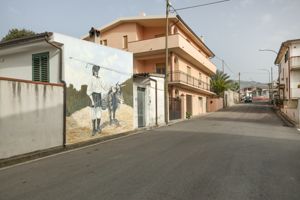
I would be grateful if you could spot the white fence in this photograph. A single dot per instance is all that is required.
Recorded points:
(230, 98)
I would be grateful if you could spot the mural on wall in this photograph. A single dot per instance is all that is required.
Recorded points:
(99, 90)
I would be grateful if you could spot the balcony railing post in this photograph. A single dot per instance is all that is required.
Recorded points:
(187, 79)
(180, 76)
(193, 81)
(295, 61)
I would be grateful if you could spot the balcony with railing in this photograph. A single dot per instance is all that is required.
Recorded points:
(190, 82)
(178, 44)
(295, 62)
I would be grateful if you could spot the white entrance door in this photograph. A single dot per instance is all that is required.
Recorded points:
(200, 100)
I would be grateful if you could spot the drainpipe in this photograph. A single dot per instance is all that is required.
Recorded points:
(152, 79)
(64, 86)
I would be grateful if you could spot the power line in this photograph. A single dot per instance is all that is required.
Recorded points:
(173, 10)
(106, 68)
(227, 66)
(200, 5)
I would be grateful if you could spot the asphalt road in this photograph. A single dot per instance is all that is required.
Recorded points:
(240, 153)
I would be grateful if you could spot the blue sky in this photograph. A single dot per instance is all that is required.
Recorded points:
(233, 30)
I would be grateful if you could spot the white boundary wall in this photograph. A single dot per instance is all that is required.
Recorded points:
(31, 117)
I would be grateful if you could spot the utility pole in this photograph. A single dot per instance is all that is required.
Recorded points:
(223, 66)
(167, 75)
(167, 65)
(272, 97)
(239, 86)
(270, 87)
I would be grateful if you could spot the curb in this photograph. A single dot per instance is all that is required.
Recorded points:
(6, 162)
(55, 150)
(287, 121)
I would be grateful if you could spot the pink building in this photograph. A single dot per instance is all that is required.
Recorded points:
(189, 67)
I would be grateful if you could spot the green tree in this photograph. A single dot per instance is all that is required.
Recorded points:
(220, 82)
(234, 86)
(17, 33)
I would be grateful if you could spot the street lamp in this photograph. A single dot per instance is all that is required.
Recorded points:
(269, 50)
(273, 51)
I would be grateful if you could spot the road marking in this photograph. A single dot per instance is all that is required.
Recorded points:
(72, 150)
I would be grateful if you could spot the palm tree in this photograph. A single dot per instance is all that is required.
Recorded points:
(220, 82)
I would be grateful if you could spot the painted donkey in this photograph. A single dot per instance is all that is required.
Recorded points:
(114, 99)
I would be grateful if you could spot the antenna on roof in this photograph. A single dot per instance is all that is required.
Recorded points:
(143, 14)
(202, 38)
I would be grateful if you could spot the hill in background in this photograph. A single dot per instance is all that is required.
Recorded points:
(245, 84)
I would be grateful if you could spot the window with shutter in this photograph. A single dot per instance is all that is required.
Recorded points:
(160, 68)
(40, 67)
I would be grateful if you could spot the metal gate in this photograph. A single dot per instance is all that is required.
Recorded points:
(174, 108)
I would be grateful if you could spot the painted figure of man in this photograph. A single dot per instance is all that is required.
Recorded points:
(94, 91)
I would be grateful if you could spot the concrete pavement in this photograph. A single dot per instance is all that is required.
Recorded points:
(244, 152)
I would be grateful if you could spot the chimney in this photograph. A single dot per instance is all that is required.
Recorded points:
(94, 32)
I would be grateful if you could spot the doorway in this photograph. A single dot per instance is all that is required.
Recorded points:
(189, 104)
(174, 108)
(141, 106)
(200, 100)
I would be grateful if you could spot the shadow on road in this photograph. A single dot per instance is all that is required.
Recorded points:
(255, 107)
(246, 120)
(260, 113)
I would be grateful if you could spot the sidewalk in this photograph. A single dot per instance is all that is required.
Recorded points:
(287, 121)
(48, 152)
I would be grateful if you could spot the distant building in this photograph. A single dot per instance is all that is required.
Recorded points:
(246, 92)
(257, 93)
(288, 61)
(260, 94)
(189, 67)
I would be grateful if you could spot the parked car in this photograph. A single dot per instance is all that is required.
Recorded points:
(243, 99)
(248, 100)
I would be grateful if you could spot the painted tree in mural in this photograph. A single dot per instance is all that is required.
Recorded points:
(127, 92)
(76, 100)
(220, 82)
(17, 33)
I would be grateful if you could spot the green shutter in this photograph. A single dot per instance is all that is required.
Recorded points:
(45, 68)
(36, 68)
(40, 67)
